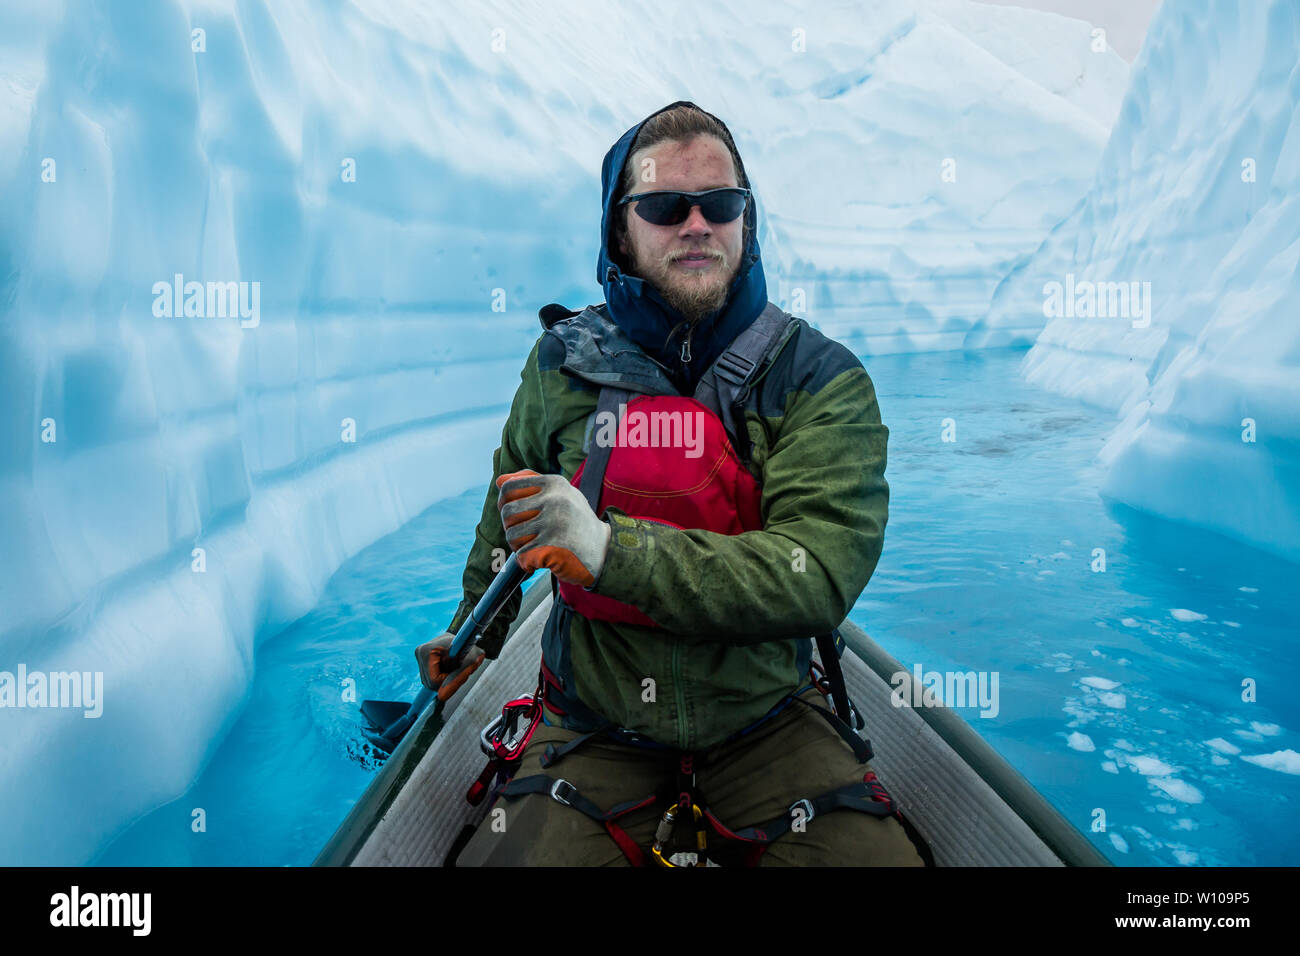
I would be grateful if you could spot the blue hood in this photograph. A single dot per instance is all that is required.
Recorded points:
(639, 309)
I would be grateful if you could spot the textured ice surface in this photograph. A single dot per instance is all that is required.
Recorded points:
(1197, 195)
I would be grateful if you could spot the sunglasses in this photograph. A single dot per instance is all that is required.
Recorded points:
(670, 207)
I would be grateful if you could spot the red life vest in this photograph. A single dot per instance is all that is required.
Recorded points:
(712, 490)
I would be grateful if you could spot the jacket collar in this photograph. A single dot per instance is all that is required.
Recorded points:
(638, 308)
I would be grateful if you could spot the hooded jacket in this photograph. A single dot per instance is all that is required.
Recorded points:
(638, 308)
(736, 613)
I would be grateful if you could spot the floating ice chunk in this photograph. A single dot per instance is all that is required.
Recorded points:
(1125, 745)
(1249, 590)
(1100, 683)
(1081, 742)
(1109, 766)
(1186, 857)
(1079, 713)
(1222, 746)
(1186, 824)
(1150, 766)
(1059, 556)
(1119, 843)
(1220, 761)
(1117, 701)
(1184, 615)
(1130, 622)
(1180, 790)
(1284, 761)
(1166, 808)
(1268, 730)
(1249, 735)
(1232, 624)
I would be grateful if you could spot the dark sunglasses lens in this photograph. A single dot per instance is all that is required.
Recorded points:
(723, 207)
(663, 209)
(670, 209)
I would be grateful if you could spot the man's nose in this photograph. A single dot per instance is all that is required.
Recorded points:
(695, 221)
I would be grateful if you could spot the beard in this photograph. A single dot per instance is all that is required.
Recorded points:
(693, 294)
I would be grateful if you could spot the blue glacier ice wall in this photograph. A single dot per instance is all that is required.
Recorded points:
(403, 184)
(922, 150)
(1198, 194)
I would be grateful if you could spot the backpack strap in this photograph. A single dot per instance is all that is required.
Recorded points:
(725, 386)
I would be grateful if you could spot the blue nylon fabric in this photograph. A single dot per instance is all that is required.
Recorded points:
(638, 308)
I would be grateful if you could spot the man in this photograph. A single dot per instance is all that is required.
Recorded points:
(675, 656)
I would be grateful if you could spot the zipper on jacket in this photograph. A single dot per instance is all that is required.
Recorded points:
(686, 347)
(679, 693)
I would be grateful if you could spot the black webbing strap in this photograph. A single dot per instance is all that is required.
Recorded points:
(828, 648)
(725, 385)
(855, 796)
(861, 748)
(566, 793)
(554, 753)
(593, 471)
(562, 791)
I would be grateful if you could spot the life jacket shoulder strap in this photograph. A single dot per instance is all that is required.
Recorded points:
(725, 387)
(593, 472)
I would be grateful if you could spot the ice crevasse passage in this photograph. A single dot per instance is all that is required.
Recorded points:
(248, 252)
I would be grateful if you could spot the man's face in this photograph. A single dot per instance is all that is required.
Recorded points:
(668, 257)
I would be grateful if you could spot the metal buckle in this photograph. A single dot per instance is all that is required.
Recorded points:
(733, 367)
(806, 804)
(555, 791)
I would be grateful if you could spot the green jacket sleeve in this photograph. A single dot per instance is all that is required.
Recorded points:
(487, 556)
(824, 506)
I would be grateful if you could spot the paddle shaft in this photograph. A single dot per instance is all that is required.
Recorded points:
(493, 599)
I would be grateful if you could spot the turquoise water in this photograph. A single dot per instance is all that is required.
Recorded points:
(988, 566)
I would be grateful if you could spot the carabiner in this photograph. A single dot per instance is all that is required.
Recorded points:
(664, 832)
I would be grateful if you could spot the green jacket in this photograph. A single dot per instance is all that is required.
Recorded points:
(736, 612)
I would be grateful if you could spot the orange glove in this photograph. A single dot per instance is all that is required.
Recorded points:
(443, 675)
(550, 525)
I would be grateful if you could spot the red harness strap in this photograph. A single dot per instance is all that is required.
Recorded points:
(566, 793)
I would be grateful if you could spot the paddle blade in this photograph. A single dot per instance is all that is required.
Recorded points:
(381, 746)
(382, 714)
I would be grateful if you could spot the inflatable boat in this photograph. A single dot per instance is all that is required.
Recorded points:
(971, 806)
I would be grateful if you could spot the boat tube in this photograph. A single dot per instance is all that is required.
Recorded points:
(971, 806)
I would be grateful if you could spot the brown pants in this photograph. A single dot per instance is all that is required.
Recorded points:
(747, 782)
